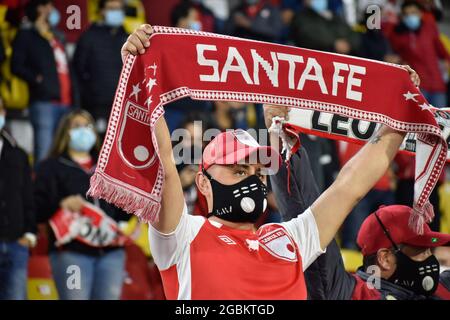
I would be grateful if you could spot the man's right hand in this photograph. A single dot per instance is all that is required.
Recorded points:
(137, 42)
(271, 111)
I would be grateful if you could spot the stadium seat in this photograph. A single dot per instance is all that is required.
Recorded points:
(352, 259)
(40, 284)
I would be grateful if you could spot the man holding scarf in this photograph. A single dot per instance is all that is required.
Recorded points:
(186, 248)
(394, 256)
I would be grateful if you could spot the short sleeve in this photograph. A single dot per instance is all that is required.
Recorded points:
(167, 248)
(303, 229)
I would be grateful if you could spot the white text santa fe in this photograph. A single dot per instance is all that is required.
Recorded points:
(345, 76)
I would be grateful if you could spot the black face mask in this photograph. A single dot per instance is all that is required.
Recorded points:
(421, 277)
(244, 201)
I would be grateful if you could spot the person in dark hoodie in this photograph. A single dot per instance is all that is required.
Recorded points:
(97, 60)
(93, 243)
(17, 216)
(398, 264)
(40, 59)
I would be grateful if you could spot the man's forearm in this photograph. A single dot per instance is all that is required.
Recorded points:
(356, 178)
(172, 197)
(164, 143)
(360, 174)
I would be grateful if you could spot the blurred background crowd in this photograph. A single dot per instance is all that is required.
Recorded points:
(60, 65)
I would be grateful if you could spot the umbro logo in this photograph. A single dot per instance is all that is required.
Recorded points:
(227, 240)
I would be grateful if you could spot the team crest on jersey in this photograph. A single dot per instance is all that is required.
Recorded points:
(279, 245)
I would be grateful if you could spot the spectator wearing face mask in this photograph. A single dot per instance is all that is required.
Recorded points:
(206, 17)
(416, 39)
(93, 244)
(97, 60)
(17, 219)
(186, 15)
(40, 59)
(398, 264)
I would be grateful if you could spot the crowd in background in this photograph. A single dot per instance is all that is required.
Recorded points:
(58, 85)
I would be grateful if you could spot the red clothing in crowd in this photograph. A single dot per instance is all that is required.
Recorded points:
(86, 164)
(422, 50)
(62, 67)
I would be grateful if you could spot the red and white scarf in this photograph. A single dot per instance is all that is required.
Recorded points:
(337, 127)
(205, 66)
(91, 226)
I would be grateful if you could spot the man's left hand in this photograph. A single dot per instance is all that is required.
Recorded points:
(413, 74)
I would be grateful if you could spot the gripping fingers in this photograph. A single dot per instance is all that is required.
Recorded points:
(131, 48)
(413, 74)
(146, 28)
(136, 42)
(142, 37)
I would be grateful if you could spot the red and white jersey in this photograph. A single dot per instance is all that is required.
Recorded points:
(203, 259)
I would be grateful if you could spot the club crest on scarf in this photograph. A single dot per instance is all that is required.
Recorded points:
(136, 123)
(136, 153)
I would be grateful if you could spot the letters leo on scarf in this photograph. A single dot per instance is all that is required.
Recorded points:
(205, 66)
(338, 127)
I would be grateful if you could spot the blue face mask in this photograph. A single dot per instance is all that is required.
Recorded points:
(412, 21)
(196, 26)
(319, 5)
(114, 18)
(82, 139)
(54, 18)
(2, 121)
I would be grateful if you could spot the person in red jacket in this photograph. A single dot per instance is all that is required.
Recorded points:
(416, 39)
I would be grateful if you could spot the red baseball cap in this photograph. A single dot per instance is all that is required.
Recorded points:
(239, 147)
(371, 236)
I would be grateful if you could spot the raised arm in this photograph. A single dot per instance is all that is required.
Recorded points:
(172, 196)
(356, 178)
(326, 277)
